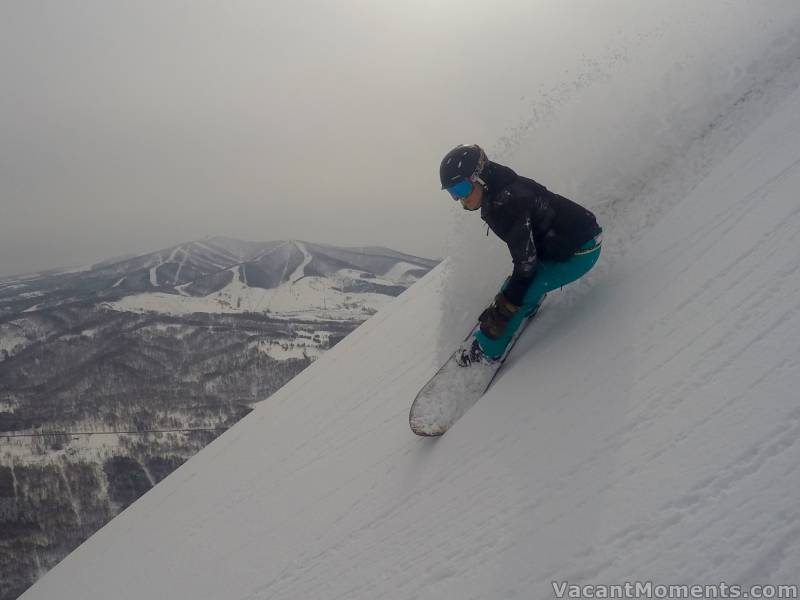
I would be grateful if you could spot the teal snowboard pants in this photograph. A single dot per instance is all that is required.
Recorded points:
(550, 275)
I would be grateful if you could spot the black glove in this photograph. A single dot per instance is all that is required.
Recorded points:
(495, 318)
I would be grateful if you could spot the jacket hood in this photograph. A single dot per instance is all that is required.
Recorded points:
(497, 177)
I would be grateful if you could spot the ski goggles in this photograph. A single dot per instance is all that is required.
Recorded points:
(461, 190)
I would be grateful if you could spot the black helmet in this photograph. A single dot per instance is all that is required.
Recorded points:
(462, 162)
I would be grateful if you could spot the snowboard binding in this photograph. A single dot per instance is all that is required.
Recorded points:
(473, 355)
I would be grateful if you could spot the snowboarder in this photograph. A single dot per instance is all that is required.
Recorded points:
(553, 241)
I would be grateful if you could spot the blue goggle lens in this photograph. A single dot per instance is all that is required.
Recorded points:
(461, 190)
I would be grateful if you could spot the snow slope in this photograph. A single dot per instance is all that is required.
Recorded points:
(646, 428)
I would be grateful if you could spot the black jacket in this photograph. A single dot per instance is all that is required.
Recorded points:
(534, 222)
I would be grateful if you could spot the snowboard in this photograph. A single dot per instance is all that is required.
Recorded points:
(454, 389)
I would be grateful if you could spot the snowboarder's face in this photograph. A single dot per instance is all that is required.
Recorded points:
(473, 201)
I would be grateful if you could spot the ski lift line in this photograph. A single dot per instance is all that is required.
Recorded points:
(139, 431)
(283, 274)
(266, 291)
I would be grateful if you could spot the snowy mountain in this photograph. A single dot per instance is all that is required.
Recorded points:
(645, 429)
(226, 275)
(287, 280)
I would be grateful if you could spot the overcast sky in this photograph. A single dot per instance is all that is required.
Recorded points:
(128, 126)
